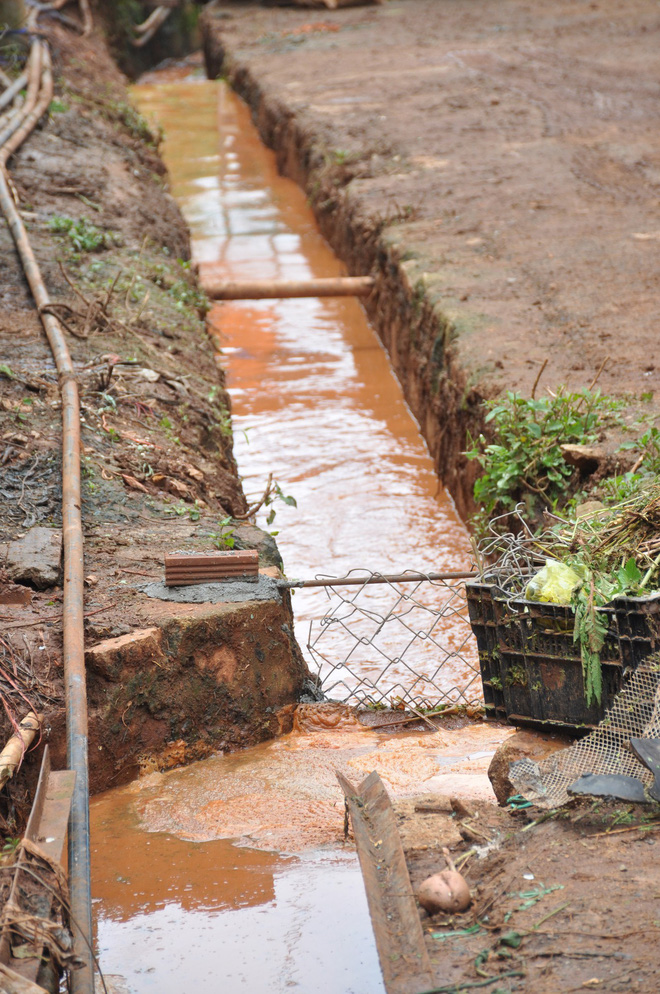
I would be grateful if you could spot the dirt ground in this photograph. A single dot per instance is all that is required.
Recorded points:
(562, 903)
(502, 156)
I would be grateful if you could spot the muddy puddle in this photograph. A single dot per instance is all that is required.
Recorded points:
(233, 873)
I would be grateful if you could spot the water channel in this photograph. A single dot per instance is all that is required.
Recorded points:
(232, 874)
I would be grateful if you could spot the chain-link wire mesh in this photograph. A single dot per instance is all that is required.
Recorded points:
(396, 643)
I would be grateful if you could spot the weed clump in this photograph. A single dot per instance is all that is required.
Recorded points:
(82, 234)
(524, 456)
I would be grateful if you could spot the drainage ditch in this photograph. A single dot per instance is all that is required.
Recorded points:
(238, 865)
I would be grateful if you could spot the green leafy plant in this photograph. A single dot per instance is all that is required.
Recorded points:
(524, 452)
(83, 235)
(223, 538)
(274, 495)
(648, 445)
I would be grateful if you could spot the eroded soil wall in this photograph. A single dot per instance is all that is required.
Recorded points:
(167, 680)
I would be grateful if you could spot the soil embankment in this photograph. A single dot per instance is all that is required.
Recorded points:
(495, 169)
(166, 680)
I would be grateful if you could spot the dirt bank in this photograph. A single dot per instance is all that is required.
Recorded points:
(560, 903)
(159, 473)
(496, 168)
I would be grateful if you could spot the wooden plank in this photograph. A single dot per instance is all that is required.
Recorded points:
(404, 960)
(46, 828)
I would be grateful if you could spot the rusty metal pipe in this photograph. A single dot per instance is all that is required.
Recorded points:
(82, 981)
(359, 581)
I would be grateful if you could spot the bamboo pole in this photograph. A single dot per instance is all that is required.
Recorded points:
(335, 286)
(11, 756)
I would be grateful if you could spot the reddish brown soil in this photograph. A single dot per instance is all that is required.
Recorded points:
(158, 468)
(495, 165)
(596, 928)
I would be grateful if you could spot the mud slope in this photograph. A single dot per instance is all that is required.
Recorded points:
(495, 165)
(166, 681)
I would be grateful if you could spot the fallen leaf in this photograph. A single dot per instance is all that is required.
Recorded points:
(194, 473)
(130, 481)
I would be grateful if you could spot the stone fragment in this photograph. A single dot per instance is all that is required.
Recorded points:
(116, 658)
(14, 595)
(460, 808)
(586, 458)
(525, 744)
(35, 558)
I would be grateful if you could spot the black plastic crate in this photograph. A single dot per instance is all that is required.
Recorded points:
(531, 668)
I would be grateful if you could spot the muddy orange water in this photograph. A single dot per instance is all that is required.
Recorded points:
(233, 874)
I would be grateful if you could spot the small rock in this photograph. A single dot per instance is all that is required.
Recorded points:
(522, 745)
(13, 595)
(118, 658)
(460, 808)
(586, 458)
(35, 558)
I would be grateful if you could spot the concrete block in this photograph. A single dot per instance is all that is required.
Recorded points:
(35, 559)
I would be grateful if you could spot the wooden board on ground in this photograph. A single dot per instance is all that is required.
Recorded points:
(45, 833)
(402, 952)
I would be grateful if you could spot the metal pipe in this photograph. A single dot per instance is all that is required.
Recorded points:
(82, 981)
(33, 84)
(151, 26)
(12, 91)
(410, 576)
(335, 286)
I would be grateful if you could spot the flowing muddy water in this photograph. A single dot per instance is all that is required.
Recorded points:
(233, 874)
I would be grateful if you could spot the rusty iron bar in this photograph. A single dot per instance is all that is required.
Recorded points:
(360, 581)
(335, 286)
(82, 981)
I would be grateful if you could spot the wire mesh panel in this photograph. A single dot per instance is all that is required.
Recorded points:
(396, 642)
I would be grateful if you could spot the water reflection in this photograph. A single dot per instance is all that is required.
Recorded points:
(173, 917)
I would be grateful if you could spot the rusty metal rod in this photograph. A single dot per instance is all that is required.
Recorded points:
(335, 286)
(82, 981)
(357, 581)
